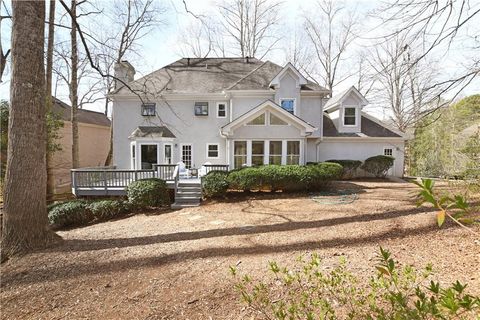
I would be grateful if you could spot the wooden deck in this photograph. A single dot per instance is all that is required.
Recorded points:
(106, 181)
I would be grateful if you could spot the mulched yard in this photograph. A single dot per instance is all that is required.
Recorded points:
(175, 265)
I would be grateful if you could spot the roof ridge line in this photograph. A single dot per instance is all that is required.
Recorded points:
(248, 74)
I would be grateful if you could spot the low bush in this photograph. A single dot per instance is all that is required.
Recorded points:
(378, 165)
(69, 213)
(148, 193)
(309, 291)
(349, 167)
(215, 184)
(107, 209)
(286, 178)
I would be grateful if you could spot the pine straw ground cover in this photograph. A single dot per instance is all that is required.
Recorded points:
(176, 265)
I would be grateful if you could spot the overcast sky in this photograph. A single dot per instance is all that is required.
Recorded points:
(160, 47)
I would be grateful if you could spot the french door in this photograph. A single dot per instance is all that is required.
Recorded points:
(187, 155)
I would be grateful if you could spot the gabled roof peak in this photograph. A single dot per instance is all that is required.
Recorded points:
(338, 98)
(288, 67)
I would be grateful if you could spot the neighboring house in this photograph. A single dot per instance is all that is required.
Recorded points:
(94, 143)
(240, 112)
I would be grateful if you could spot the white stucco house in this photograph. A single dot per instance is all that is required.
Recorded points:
(240, 111)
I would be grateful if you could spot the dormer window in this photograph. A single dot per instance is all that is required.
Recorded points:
(288, 105)
(148, 109)
(350, 116)
(201, 108)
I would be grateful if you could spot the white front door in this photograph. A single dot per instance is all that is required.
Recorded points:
(187, 155)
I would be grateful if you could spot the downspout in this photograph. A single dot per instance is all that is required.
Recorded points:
(227, 147)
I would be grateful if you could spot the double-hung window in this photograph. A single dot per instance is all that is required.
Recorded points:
(221, 110)
(212, 150)
(350, 116)
(201, 108)
(148, 109)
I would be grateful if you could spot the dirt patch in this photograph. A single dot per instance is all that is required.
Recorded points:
(175, 265)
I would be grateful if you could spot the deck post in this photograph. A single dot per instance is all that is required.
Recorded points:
(74, 182)
(105, 181)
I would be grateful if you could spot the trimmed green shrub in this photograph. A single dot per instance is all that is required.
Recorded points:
(378, 165)
(148, 193)
(215, 184)
(349, 167)
(69, 213)
(286, 178)
(107, 209)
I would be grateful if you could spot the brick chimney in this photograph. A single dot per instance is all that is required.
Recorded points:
(124, 71)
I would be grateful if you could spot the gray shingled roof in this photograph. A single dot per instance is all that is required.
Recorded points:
(157, 132)
(210, 75)
(83, 115)
(369, 129)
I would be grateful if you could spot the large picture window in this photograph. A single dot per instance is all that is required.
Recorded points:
(258, 152)
(293, 152)
(275, 156)
(349, 117)
(239, 154)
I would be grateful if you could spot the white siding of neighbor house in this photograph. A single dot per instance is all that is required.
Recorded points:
(361, 150)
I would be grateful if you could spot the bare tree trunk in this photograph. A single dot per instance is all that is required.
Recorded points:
(48, 86)
(25, 223)
(3, 55)
(74, 88)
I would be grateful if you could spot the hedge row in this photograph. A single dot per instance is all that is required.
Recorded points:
(376, 165)
(80, 212)
(271, 177)
(140, 194)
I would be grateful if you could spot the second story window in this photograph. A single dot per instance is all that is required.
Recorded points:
(350, 117)
(288, 104)
(221, 110)
(201, 108)
(148, 109)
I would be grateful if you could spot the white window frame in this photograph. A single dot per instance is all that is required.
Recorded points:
(218, 110)
(301, 145)
(356, 116)
(144, 107)
(266, 150)
(294, 104)
(201, 114)
(218, 150)
(171, 156)
(248, 151)
(391, 148)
